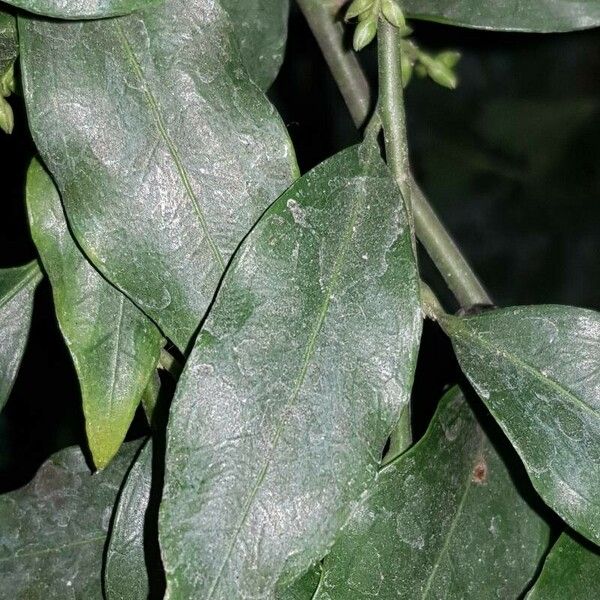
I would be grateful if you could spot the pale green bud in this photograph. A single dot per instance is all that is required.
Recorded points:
(393, 13)
(421, 70)
(407, 66)
(450, 58)
(440, 73)
(7, 82)
(365, 33)
(7, 119)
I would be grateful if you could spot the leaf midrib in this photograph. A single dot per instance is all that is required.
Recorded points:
(117, 351)
(171, 146)
(537, 374)
(310, 348)
(459, 510)
(33, 273)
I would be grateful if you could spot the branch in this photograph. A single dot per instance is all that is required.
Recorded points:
(352, 82)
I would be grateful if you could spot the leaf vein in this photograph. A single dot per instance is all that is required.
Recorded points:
(171, 146)
(310, 348)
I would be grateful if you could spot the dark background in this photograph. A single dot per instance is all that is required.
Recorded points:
(511, 161)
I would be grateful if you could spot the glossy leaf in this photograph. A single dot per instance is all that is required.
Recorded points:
(17, 287)
(537, 370)
(261, 29)
(114, 346)
(444, 520)
(81, 9)
(572, 570)
(163, 149)
(125, 575)
(9, 46)
(294, 384)
(54, 529)
(509, 15)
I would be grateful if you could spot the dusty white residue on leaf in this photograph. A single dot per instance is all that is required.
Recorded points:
(297, 212)
(493, 528)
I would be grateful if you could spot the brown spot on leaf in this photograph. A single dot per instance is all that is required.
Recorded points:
(480, 472)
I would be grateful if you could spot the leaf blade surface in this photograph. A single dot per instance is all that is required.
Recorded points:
(442, 520)
(54, 529)
(17, 287)
(81, 9)
(114, 346)
(295, 382)
(125, 573)
(164, 151)
(537, 370)
(509, 15)
(571, 570)
(261, 28)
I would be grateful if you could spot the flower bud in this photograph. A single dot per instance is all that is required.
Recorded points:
(364, 33)
(7, 119)
(393, 13)
(407, 69)
(440, 73)
(357, 8)
(450, 58)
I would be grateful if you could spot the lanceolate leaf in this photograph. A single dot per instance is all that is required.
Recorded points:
(442, 521)
(16, 302)
(54, 529)
(125, 574)
(81, 9)
(163, 149)
(509, 15)
(261, 29)
(572, 570)
(294, 384)
(537, 368)
(114, 346)
(8, 41)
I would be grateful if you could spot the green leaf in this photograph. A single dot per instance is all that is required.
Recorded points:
(536, 369)
(261, 29)
(444, 520)
(81, 9)
(9, 45)
(17, 287)
(114, 346)
(509, 15)
(295, 382)
(125, 574)
(164, 151)
(572, 570)
(54, 529)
